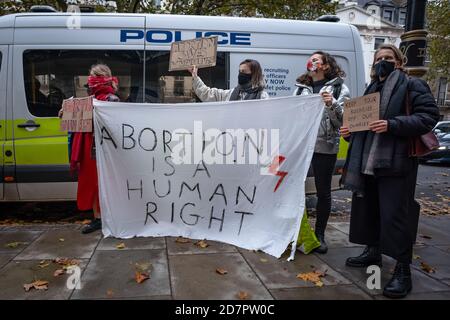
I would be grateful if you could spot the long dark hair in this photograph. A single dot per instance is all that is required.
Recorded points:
(332, 72)
(257, 74)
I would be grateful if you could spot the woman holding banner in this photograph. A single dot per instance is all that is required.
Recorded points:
(325, 77)
(103, 86)
(250, 85)
(382, 174)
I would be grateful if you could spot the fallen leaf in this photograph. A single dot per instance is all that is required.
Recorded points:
(263, 260)
(182, 240)
(221, 271)
(43, 264)
(109, 293)
(426, 267)
(242, 295)
(38, 285)
(66, 262)
(14, 244)
(313, 277)
(61, 240)
(120, 245)
(86, 221)
(141, 276)
(416, 257)
(425, 236)
(143, 266)
(202, 244)
(59, 272)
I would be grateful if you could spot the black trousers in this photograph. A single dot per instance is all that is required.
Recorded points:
(323, 168)
(387, 215)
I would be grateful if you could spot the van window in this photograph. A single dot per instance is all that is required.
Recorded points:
(162, 86)
(53, 75)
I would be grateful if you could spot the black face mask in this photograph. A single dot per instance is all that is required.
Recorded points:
(384, 68)
(244, 78)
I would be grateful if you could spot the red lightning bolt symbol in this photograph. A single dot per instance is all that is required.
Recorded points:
(273, 169)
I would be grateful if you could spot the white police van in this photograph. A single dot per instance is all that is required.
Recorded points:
(45, 58)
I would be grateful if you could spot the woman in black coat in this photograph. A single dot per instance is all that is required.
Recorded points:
(382, 175)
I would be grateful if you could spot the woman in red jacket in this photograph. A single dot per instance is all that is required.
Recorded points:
(103, 86)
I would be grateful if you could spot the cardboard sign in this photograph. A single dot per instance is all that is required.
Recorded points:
(77, 115)
(361, 111)
(201, 52)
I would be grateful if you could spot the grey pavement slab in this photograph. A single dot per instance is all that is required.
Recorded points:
(138, 243)
(195, 277)
(17, 273)
(112, 273)
(435, 258)
(432, 229)
(341, 292)
(5, 258)
(22, 239)
(174, 247)
(280, 273)
(42, 227)
(50, 245)
(336, 259)
(444, 248)
(341, 226)
(336, 238)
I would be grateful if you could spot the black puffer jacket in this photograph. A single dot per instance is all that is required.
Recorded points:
(401, 128)
(424, 115)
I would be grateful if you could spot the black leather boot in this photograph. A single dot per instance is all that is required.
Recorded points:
(323, 245)
(400, 284)
(95, 225)
(370, 256)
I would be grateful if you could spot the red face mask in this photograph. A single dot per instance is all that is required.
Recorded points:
(313, 65)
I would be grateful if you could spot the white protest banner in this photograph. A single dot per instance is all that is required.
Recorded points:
(361, 111)
(201, 52)
(227, 171)
(77, 115)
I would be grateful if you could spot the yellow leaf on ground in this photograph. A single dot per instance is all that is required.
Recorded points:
(120, 245)
(14, 244)
(242, 295)
(263, 260)
(416, 257)
(66, 262)
(43, 264)
(141, 276)
(109, 293)
(59, 272)
(427, 268)
(182, 240)
(202, 244)
(61, 240)
(38, 285)
(314, 277)
(221, 271)
(143, 266)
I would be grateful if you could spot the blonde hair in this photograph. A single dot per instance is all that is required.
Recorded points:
(102, 70)
(398, 55)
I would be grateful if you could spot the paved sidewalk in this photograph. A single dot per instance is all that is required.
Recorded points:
(186, 271)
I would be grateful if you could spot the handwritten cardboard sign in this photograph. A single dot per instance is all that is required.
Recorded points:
(201, 52)
(361, 111)
(77, 115)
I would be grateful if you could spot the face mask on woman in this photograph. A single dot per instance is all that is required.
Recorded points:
(313, 65)
(244, 78)
(384, 68)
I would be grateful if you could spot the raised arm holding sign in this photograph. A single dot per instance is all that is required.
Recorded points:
(201, 52)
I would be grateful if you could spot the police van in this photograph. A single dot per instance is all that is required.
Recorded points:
(45, 58)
